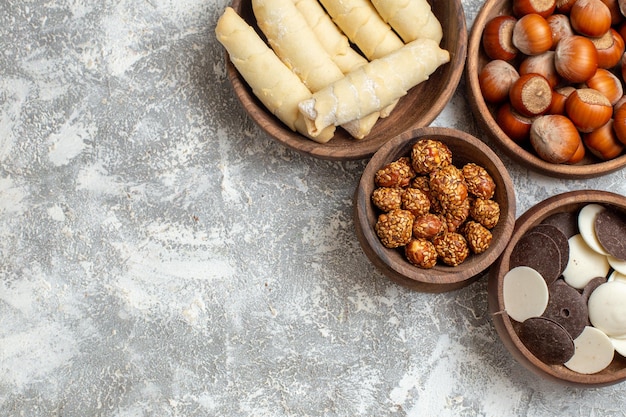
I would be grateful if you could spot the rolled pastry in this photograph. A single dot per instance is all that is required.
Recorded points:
(295, 43)
(411, 19)
(332, 39)
(278, 88)
(362, 24)
(373, 86)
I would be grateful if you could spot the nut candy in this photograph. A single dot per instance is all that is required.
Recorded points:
(387, 198)
(394, 229)
(398, 173)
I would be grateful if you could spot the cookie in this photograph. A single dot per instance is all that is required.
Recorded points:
(567, 307)
(525, 293)
(593, 352)
(607, 309)
(566, 222)
(559, 238)
(539, 252)
(610, 228)
(584, 263)
(587, 226)
(547, 340)
(591, 286)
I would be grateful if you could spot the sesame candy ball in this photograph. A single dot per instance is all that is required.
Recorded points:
(387, 199)
(428, 226)
(415, 201)
(421, 252)
(428, 155)
(485, 212)
(478, 236)
(449, 186)
(451, 248)
(479, 182)
(398, 174)
(394, 229)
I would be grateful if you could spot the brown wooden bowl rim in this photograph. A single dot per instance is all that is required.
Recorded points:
(350, 149)
(564, 202)
(440, 278)
(485, 118)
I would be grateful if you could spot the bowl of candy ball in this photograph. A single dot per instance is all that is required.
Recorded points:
(320, 103)
(557, 292)
(434, 208)
(545, 80)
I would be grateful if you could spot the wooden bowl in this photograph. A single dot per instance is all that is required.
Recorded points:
(419, 107)
(392, 262)
(506, 328)
(485, 113)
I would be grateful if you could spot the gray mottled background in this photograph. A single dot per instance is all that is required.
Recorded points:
(161, 256)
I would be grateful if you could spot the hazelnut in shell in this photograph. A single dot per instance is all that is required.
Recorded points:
(619, 122)
(554, 137)
(560, 27)
(559, 97)
(603, 142)
(588, 109)
(576, 58)
(531, 94)
(608, 84)
(495, 80)
(541, 64)
(578, 155)
(610, 48)
(532, 34)
(497, 38)
(513, 124)
(590, 17)
(543, 8)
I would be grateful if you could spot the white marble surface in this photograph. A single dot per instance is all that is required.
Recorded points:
(160, 256)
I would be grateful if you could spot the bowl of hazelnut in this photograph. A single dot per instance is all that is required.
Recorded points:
(434, 208)
(556, 294)
(545, 80)
(415, 62)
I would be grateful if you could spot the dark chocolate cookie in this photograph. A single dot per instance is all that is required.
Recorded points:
(567, 307)
(566, 222)
(559, 238)
(538, 251)
(547, 340)
(610, 229)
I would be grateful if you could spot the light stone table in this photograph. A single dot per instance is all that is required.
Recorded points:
(161, 256)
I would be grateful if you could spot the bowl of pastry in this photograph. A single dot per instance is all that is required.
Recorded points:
(434, 208)
(336, 80)
(547, 86)
(556, 294)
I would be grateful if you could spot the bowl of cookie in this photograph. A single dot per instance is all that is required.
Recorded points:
(556, 294)
(336, 80)
(548, 89)
(434, 208)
